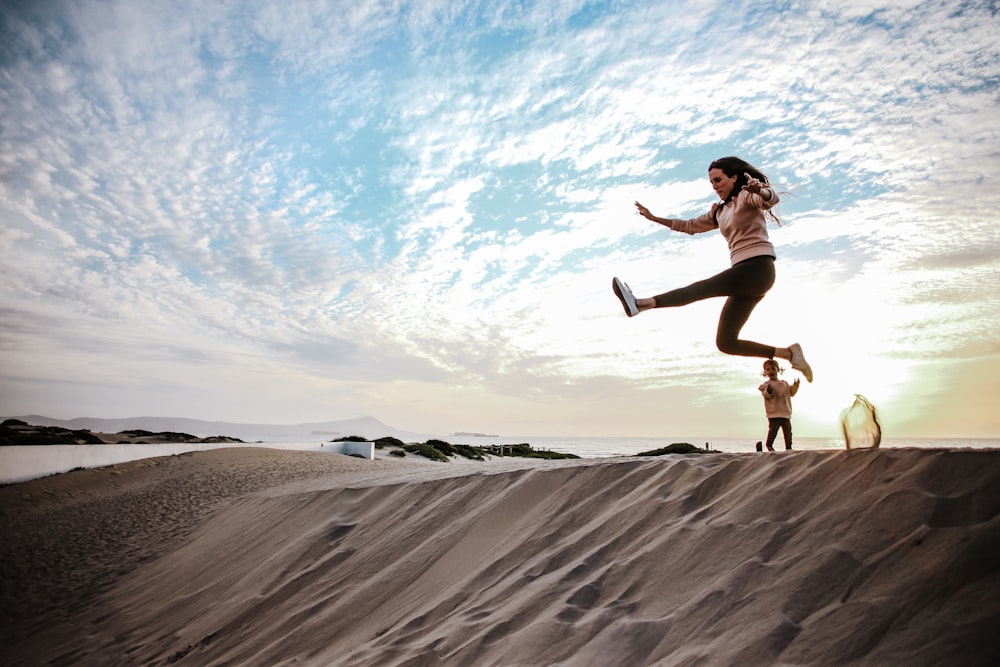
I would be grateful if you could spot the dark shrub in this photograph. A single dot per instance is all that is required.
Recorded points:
(445, 448)
(172, 436)
(469, 452)
(675, 448)
(423, 449)
(524, 450)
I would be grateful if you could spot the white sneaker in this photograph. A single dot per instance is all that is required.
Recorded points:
(799, 362)
(624, 295)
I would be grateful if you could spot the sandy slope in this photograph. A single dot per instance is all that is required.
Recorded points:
(867, 557)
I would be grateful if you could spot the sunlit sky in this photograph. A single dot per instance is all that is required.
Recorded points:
(289, 211)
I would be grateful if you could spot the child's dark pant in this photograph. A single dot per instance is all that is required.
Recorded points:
(773, 424)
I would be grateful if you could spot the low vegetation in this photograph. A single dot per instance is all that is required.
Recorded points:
(426, 450)
(440, 450)
(677, 448)
(17, 432)
(525, 450)
(350, 438)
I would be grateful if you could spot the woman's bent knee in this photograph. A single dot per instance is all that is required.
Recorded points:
(728, 345)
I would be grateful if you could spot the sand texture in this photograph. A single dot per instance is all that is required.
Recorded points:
(265, 557)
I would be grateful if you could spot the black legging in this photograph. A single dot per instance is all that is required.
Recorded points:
(745, 284)
(773, 424)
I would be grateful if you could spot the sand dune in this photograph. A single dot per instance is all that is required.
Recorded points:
(262, 557)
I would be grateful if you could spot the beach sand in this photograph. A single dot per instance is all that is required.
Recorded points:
(249, 556)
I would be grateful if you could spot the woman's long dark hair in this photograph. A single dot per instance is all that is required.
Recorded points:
(734, 166)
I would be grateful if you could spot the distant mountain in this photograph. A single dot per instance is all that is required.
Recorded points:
(366, 427)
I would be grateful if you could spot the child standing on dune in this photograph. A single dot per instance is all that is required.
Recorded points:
(777, 403)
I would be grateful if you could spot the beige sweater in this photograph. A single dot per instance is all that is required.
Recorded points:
(741, 222)
(779, 402)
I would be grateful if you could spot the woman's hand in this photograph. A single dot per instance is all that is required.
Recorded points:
(753, 186)
(644, 212)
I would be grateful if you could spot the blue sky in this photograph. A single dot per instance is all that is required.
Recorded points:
(302, 211)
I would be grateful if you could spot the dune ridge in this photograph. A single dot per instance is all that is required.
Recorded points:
(863, 557)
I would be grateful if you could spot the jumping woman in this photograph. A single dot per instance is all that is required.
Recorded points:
(746, 202)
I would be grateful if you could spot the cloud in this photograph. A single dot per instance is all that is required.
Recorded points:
(422, 196)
